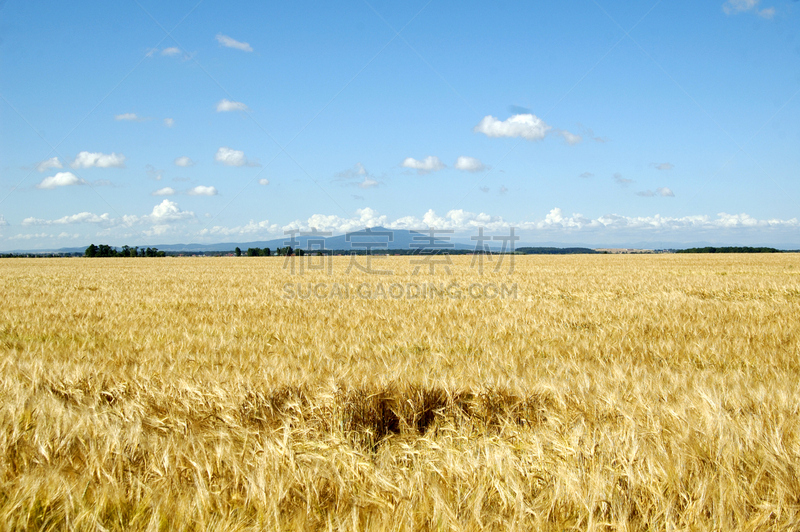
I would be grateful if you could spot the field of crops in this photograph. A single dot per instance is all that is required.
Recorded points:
(603, 392)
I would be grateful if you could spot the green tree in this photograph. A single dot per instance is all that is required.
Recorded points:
(91, 251)
(238, 251)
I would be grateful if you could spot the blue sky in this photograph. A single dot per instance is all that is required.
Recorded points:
(148, 123)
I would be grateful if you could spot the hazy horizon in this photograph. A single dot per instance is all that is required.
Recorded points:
(591, 123)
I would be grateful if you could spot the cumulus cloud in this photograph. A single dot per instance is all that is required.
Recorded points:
(226, 105)
(428, 164)
(3, 221)
(172, 50)
(469, 164)
(228, 42)
(252, 227)
(46, 165)
(80, 218)
(230, 157)
(663, 166)
(527, 126)
(586, 175)
(732, 7)
(169, 122)
(184, 161)
(61, 179)
(166, 191)
(87, 159)
(203, 191)
(168, 211)
(366, 217)
(264, 182)
(554, 221)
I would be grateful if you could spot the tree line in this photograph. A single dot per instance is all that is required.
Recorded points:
(104, 250)
(266, 252)
(730, 249)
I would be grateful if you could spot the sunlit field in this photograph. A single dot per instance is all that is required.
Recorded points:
(601, 392)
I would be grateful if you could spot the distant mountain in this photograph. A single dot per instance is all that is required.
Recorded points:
(376, 238)
(401, 239)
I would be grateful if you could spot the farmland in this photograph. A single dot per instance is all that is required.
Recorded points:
(625, 392)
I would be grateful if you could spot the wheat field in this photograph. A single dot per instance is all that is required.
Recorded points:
(602, 392)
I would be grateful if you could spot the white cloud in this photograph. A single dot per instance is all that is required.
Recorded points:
(264, 182)
(169, 122)
(731, 7)
(226, 105)
(767, 13)
(527, 126)
(171, 51)
(166, 191)
(228, 42)
(663, 166)
(164, 213)
(127, 116)
(469, 164)
(203, 191)
(230, 157)
(87, 159)
(61, 179)
(661, 191)
(46, 165)
(168, 211)
(368, 182)
(3, 221)
(462, 221)
(80, 218)
(184, 161)
(428, 164)
(250, 228)
(570, 138)
(586, 175)
(29, 236)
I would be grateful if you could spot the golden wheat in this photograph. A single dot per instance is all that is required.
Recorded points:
(581, 392)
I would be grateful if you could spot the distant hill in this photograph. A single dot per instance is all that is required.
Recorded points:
(401, 240)
(730, 249)
(555, 251)
(376, 238)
